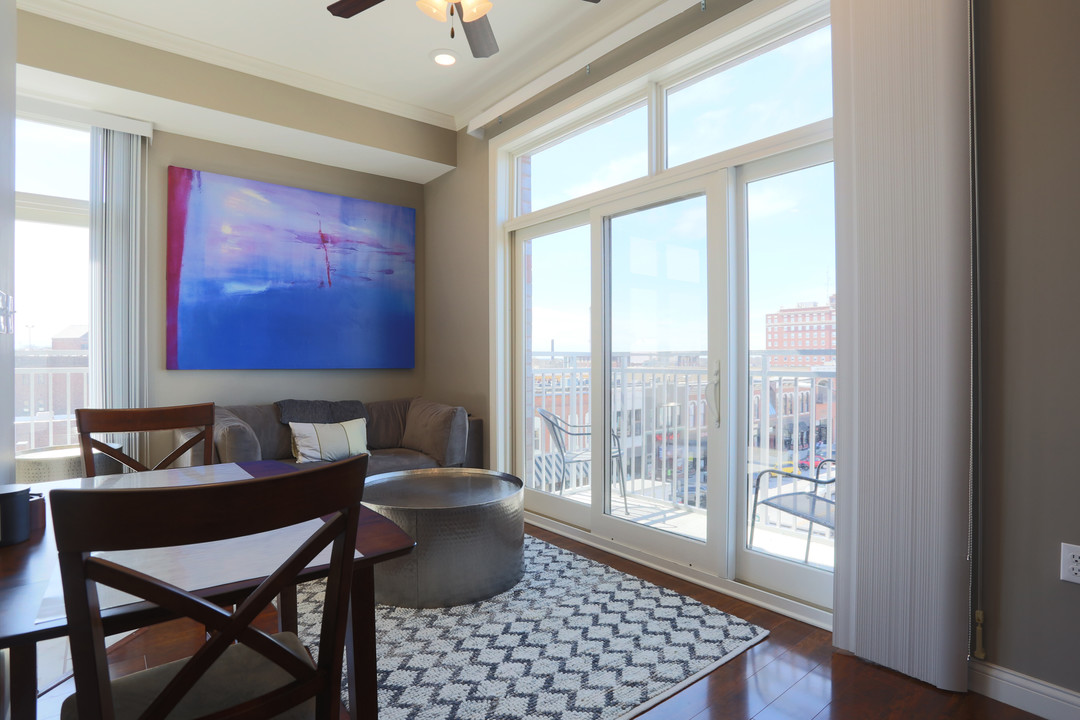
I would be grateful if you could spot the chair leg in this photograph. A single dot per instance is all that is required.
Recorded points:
(753, 515)
(809, 534)
(22, 673)
(287, 611)
(622, 484)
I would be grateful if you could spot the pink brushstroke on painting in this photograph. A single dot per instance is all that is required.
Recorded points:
(179, 192)
(324, 240)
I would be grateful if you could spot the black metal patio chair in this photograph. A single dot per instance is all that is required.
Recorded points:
(561, 433)
(808, 505)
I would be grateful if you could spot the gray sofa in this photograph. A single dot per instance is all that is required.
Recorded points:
(403, 434)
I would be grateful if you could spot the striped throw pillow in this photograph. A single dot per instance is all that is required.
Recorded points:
(312, 442)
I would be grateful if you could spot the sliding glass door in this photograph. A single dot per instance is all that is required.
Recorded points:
(678, 380)
(616, 341)
(657, 360)
(658, 315)
(554, 278)
(787, 491)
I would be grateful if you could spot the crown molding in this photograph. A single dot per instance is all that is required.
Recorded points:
(106, 24)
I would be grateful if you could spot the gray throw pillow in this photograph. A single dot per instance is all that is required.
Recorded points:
(427, 428)
(320, 411)
(386, 423)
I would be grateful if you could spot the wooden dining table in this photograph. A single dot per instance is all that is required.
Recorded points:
(31, 603)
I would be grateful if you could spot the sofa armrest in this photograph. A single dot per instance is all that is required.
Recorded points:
(438, 430)
(474, 443)
(194, 456)
(234, 440)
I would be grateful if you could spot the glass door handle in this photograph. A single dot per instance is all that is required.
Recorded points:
(712, 396)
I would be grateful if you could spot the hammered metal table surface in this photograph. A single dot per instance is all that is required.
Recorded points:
(469, 528)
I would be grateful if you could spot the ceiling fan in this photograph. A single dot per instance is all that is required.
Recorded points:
(473, 14)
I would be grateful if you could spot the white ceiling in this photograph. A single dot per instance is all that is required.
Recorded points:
(379, 58)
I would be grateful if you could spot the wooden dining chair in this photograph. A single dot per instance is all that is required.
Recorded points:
(260, 676)
(129, 420)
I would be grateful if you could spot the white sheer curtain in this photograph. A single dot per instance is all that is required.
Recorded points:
(118, 277)
(903, 176)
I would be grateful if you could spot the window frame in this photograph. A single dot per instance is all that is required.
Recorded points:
(55, 210)
(752, 28)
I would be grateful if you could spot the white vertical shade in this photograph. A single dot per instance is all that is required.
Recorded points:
(7, 237)
(903, 188)
(118, 298)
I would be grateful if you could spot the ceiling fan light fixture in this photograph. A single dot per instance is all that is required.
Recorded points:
(474, 9)
(433, 8)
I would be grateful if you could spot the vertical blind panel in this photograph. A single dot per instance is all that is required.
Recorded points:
(903, 242)
(7, 238)
(117, 342)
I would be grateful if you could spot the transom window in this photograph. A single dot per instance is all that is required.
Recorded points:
(783, 85)
(600, 155)
(786, 86)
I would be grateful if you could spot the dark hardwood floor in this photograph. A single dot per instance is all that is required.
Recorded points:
(794, 674)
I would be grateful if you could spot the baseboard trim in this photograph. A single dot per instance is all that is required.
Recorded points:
(1023, 692)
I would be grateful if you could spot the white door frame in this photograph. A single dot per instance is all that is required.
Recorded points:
(794, 579)
(709, 555)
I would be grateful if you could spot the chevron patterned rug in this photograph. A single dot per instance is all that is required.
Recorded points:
(574, 640)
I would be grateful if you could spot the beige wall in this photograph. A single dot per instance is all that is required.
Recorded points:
(456, 307)
(226, 387)
(76, 52)
(1029, 154)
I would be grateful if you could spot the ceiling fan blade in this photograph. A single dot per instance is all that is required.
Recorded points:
(348, 8)
(478, 33)
(592, 1)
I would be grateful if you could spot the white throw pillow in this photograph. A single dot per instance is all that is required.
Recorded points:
(333, 441)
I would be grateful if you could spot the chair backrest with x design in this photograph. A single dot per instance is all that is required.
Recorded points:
(130, 420)
(97, 520)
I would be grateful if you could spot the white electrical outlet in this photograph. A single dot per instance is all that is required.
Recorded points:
(1070, 563)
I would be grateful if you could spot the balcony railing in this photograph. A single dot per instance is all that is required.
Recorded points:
(660, 414)
(45, 402)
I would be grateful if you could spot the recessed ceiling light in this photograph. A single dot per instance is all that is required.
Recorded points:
(443, 57)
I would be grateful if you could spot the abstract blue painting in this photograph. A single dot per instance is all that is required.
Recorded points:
(267, 276)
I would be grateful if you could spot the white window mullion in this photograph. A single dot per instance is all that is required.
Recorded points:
(53, 210)
(657, 130)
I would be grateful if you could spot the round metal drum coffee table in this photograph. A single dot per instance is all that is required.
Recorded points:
(469, 528)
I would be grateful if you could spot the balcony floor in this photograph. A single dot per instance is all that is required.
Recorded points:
(690, 522)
